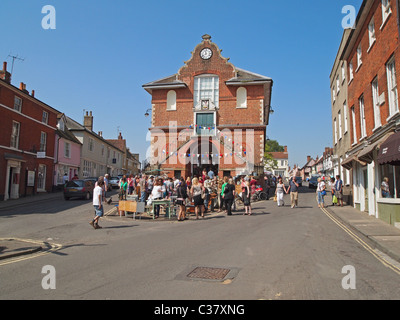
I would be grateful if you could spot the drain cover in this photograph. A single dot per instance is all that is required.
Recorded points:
(208, 273)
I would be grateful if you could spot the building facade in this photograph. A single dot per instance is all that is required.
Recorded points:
(27, 140)
(282, 164)
(373, 59)
(98, 156)
(67, 158)
(209, 115)
(340, 119)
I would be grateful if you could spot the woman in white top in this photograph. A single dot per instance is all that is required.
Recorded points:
(156, 194)
(321, 192)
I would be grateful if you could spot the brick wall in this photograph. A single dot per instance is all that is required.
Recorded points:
(373, 65)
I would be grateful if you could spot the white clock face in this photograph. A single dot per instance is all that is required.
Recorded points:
(206, 53)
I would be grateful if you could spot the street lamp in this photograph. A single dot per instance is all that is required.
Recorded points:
(147, 112)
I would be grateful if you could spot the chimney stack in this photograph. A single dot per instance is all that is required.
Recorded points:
(22, 87)
(88, 121)
(101, 133)
(4, 74)
(308, 159)
(285, 149)
(120, 136)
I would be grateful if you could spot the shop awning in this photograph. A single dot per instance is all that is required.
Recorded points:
(389, 151)
(348, 162)
(366, 154)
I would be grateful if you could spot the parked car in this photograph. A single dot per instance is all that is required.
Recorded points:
(313, 182)
(114, 182)
(81, 188)
(93, 179)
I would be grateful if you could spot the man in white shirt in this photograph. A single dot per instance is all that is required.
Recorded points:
(97, 203)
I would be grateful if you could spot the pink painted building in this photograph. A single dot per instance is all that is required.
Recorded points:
(67, 157)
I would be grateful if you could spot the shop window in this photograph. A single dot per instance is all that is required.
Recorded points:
(390, 181)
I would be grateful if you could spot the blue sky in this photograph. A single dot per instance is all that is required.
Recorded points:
(102, 52)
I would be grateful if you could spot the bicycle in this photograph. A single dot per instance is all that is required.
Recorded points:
(259, 195)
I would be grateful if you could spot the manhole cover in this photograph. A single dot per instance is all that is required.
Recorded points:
(208, 273)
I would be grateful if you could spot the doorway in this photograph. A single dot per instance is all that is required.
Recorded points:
(41, 182)
(365, 176)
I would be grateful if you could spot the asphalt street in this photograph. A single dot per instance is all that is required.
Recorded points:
(278, 253)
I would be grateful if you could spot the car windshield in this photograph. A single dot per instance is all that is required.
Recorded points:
(75, 184)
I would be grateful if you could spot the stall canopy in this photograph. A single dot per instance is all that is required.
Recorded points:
(389, 152)
(366, 154)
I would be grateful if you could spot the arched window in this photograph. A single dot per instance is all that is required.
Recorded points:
(171, 100)
(241, 98)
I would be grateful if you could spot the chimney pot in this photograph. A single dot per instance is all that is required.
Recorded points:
(33, 93)
(5, 66)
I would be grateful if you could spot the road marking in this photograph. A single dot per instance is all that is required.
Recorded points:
(380, 258)
(53, 247)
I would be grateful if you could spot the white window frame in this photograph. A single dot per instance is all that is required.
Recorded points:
(333, 94)
(171, 100)
(91, 145)
(45, 117)
(345, 116)
(392, 88)
(351, 72)
(363, 128)
(375, 103)
(15, 131)
(335, 131)
(17, 103)
(371, 33)
(241, 98)
(337, 85)
(43, 141)
(359, 57)
(340, 124)
(353, 122)
(343, 73)
(67, 150)
(386, 12)
(197, 96)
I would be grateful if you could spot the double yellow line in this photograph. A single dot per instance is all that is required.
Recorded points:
(362, 242)
(50, 247)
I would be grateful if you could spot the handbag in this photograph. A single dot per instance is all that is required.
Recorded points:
(334, 199)
(275, 198)
(323, 193)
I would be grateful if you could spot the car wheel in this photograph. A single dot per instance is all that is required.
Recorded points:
(66, 198)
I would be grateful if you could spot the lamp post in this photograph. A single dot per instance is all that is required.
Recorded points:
(147, 112)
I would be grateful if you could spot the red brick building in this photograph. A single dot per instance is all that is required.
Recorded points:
(372, 54)
(27, 140)
(209, 115)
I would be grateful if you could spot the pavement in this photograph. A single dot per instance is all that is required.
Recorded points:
(380, 234)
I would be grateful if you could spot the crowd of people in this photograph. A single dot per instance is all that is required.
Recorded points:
(205, 191)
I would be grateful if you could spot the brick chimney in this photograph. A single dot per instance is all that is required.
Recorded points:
(4, 74)
(120, 136)
(88, 121)
(22, 87)
(285, 149)
(308, 159)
